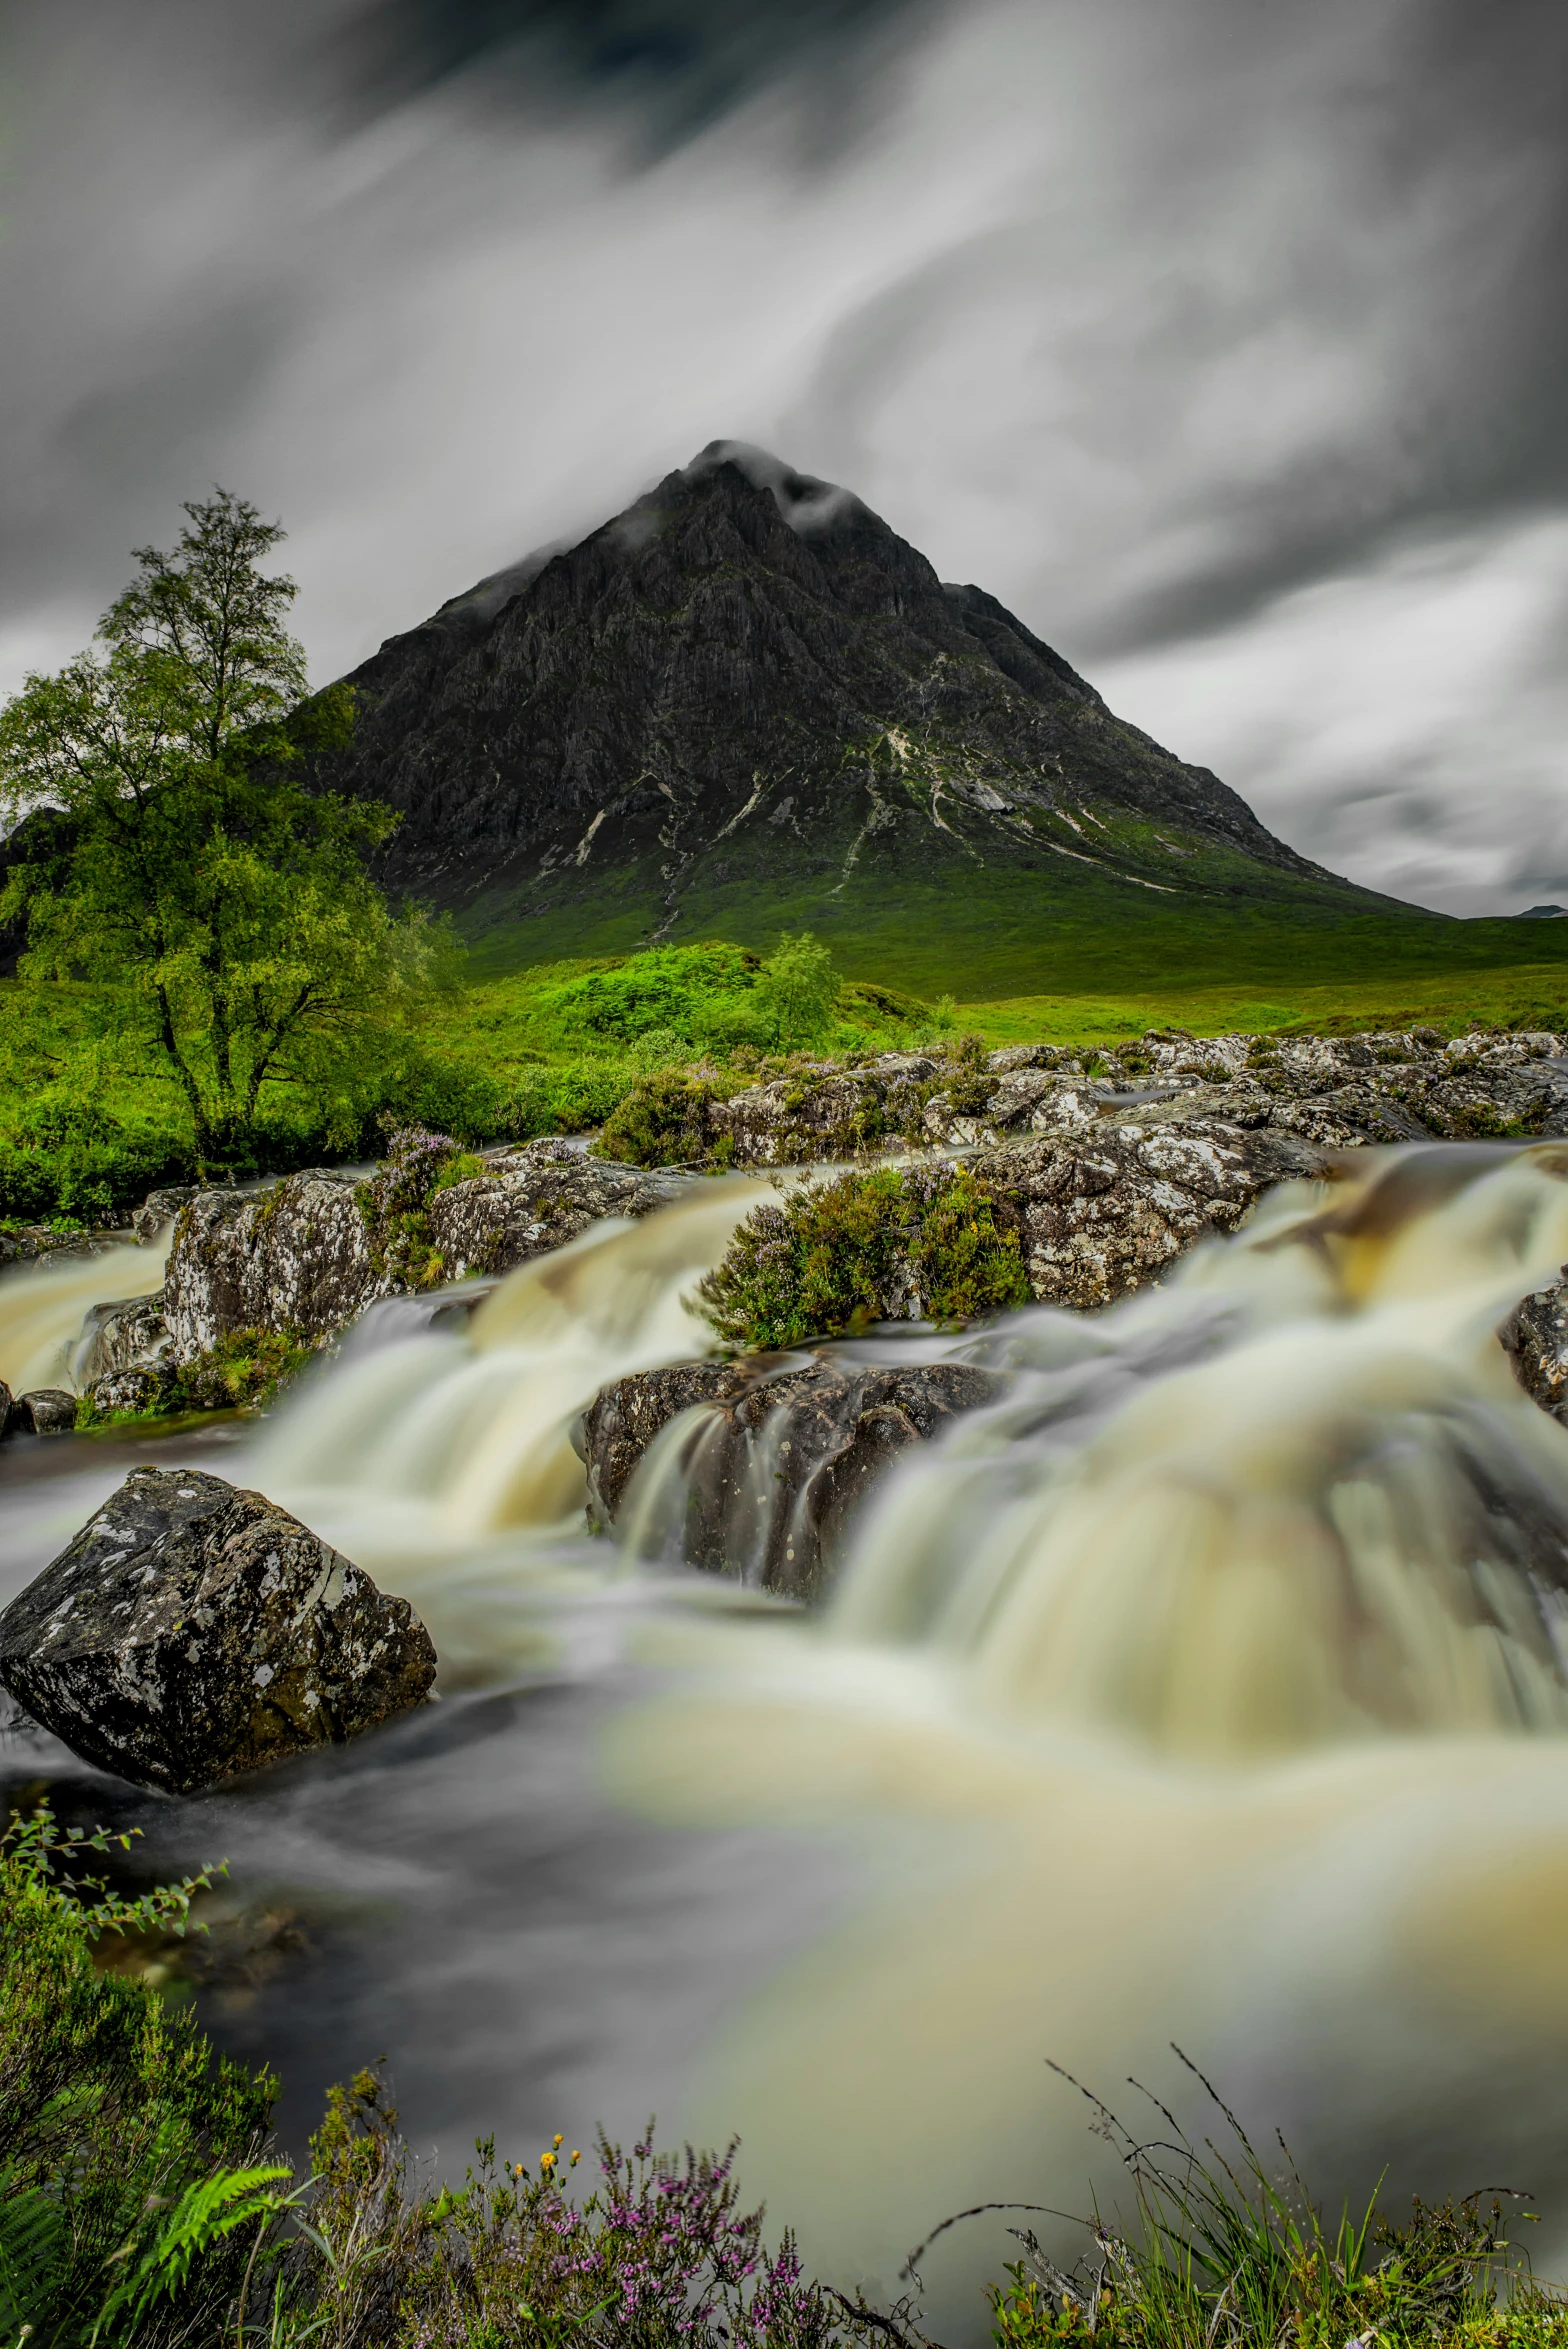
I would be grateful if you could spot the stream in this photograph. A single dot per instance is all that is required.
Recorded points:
(1210, 1687)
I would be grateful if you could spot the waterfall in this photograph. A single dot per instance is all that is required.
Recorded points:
(414, 1454)
(43, 1304)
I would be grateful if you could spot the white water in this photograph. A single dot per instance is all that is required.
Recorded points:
(42, 1305)
(1208, 1688)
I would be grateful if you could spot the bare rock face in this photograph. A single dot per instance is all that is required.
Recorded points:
(536, 1199)
(1106, 1212)
(775, 1461)
(192, 1630)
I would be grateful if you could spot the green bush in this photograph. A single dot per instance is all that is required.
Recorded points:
(936, 1243)
(663, 1121)
(111, 2104)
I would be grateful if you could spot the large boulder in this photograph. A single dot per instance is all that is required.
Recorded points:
(535, 1199)
(774, 1460)
(1107, 1210)
(46, 1411)
(309, 1254)
(193, 1630)
(295, 1257)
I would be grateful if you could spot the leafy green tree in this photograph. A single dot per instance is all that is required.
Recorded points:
(222, 908)
(800, 988)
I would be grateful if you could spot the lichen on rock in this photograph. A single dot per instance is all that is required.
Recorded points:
(193, 1630)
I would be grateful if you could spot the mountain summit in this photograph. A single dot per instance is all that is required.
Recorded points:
(746, 702)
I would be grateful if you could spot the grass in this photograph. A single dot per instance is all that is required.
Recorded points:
(560, 1047)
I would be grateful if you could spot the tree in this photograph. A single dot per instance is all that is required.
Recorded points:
(223, 909)
(800, 988)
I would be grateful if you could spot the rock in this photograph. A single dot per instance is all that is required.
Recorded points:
(296, 1257)
(123, 1334)
(304, 1258)
(536, 1199)
(141, 1390)
(1535, 1339)
(193, 1630)
(1105, 1213)
(778, 1457)
(160, 1208)
(1337, 1092)
(47, 1411)
(623, 1419)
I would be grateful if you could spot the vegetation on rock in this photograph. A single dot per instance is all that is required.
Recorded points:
(925, 1242)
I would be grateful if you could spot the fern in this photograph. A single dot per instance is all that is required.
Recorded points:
(31, 2228)
(205, 2214)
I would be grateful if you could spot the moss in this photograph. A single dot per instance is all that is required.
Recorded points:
(934, 1241)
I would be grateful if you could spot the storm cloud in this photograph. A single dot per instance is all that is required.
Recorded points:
(1223, 340)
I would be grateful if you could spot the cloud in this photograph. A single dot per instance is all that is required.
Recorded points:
(1187, 327)
(1405, 721)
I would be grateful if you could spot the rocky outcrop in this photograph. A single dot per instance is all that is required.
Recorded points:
(534, 1200)
(774, 1460)
(193, 1630)
(311, 1253)
(1336, 1092)
(1107, 1211)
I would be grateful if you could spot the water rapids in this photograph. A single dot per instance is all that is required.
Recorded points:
(1210, 1686)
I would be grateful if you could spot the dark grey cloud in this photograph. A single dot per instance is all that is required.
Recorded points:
(682, 63)
(1224, 339)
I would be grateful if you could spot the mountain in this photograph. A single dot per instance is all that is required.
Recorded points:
(745, 704)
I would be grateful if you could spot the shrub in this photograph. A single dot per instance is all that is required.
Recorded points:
(932, 1242)
(663, 1121)
(111, 2104)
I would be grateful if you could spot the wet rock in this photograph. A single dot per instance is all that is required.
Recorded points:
(47, 1411)
(623, 1419)
(536, 1199)
(121, 1334)
(140, 1390)
(765, 1480)
(193, 1630)
(1105, 1212)
(160, 1208)
(1535, 1339)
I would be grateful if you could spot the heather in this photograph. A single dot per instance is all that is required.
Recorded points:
(933, 1243)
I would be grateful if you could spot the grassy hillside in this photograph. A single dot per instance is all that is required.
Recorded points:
(990, 932)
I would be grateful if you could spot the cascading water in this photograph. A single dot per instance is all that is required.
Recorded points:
(42, 1307)
(1209, 1686)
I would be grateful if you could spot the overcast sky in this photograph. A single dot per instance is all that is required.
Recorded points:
(1225, 340)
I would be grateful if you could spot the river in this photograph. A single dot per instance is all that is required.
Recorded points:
(1208, 1688)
